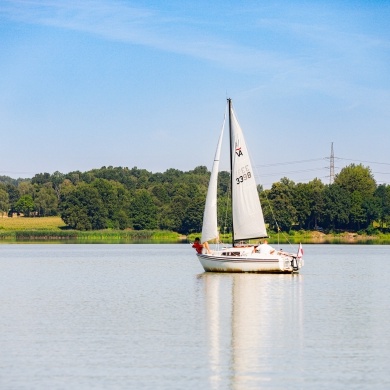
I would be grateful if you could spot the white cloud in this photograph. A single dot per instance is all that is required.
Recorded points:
(143, 26)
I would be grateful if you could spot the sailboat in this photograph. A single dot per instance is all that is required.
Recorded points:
(247, 217)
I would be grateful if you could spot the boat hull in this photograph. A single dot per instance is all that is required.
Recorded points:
(252, 263)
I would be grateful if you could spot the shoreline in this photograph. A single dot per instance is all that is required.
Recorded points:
(53, 230)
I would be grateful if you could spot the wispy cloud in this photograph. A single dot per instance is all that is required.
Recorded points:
(314, 53)
(142, 26)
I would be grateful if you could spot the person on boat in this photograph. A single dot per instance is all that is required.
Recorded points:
(265, 248)
(199, 247)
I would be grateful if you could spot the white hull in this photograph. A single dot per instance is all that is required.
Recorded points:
(244, 260)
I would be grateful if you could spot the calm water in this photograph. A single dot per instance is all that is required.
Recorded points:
(147, 317)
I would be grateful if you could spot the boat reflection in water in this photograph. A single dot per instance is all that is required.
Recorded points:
(254, 328)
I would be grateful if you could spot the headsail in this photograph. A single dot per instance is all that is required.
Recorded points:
(248, 220)
(210, 223)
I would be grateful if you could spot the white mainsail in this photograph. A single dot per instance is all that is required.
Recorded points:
(248, 220)
(210, 223)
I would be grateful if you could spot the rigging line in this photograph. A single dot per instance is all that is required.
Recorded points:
(256, 174)
(291, 162)
(226, 212)
(276, 222)
(362, 161)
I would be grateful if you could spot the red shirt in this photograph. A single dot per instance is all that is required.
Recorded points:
(198, 247)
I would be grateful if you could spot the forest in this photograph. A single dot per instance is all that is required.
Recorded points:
(133, 198)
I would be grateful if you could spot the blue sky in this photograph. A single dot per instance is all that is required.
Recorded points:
(86, 84)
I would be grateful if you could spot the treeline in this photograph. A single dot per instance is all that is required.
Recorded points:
(121, 198)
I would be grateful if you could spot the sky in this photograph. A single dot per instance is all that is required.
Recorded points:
(86, 84)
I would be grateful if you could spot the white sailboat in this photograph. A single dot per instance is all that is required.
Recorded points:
(247, 216)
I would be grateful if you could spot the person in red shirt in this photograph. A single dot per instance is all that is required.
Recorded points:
(199, 247)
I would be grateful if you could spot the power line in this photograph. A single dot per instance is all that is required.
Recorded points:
(320, 159)
(331, 167)
(361, 161)
(382, 173)
(291, 162)
(299, 171)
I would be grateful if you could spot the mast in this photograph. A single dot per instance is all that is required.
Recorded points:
(231, 162)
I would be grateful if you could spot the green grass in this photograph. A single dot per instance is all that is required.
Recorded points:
(25, 223)
(53, 229)
(91, 236)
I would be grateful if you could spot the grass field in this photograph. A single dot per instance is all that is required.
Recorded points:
(24, 223)
(51, 228)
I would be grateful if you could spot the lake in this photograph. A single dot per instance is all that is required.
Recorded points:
(137, 316)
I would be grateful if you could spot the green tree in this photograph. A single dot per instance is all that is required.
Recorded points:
(224, 183)
(382, 196)
(13, 194)
(337, 203)
(316, 190)
(83, 209)
(116, 199)
(200, 170)
(356, 178)
(357, 213)
(25, 205)
(372, 209)
(26, 188)
(46, 201)
(143, 211)
(56, 179)
(74, 177)
(41, 178)
(167, 219)
(302, 202)
(282, 211)
(172, 175)
(4, 202)
(192, 221)
(160, 192)
(359, 182)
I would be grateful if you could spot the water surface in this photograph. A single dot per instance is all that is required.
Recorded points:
(148, 317)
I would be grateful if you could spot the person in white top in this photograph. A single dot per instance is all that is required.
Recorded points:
(265, 248)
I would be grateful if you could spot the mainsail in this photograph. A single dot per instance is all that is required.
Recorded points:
(248, 220)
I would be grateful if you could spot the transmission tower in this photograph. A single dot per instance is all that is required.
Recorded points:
(331, 173)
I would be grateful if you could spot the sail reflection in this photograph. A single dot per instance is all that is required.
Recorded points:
(251, 319)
